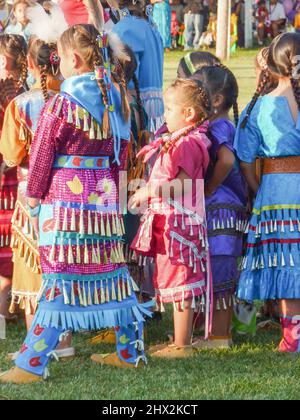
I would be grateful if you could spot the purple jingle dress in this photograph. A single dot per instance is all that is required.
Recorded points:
(226, 217)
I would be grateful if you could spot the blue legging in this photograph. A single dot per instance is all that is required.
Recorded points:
(41, 342)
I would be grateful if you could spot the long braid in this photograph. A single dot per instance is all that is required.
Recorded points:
(235, 106)
(24, 71)
(262, 85)
(296, 90)
(97, 62)
(139, 102)
(43, 76)
(119, 77)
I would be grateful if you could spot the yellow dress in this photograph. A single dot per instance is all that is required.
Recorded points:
(20, 123)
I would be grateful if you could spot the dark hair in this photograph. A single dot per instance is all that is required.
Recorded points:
(41, 54)
(129, 68)
(137, 9)
(14, 47)
(194, 61)
(266, 82)
(220, 80)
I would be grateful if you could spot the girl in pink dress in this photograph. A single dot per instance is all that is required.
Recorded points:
(173, 228)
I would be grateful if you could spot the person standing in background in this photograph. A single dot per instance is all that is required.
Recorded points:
(75, 11)
(4, 15)
(162, 18)
(277, 17)
(194, 21)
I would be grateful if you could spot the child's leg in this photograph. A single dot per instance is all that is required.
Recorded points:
(5, 287)
(183, 325)
(290, 320)
(222, 319)
(130, 343)
(37, 349)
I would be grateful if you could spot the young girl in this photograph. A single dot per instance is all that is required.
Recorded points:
(13, 65)
(20, 123)
(77, 154)
(137, 30)
(226, 201)
(269, 129)
(4, 14)
(19, 23)
(171, 231)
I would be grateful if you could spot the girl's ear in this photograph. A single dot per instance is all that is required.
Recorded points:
(190, 114)
(76, 60)
(3, 62)
(218, 100)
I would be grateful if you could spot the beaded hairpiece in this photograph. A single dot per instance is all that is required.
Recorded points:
(103, 75)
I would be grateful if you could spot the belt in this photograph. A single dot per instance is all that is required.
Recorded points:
(81, 162)
(284, 165)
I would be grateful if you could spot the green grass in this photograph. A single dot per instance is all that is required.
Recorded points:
(251, 370)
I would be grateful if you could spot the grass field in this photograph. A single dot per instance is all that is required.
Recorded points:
(251, 370)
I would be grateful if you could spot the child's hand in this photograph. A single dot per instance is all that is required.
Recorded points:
(140, 197)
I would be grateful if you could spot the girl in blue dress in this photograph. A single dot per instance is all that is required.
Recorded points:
(269, 129)
(137, 29)
(162, 18)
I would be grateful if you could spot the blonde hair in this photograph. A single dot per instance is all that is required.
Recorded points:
(14, 47)
(83, 39)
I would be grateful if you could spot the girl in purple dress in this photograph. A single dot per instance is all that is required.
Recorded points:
(226, 200)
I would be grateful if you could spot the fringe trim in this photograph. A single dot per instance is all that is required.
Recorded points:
(88, 222)
(96, 319)
(79, 117)
(25, 301)
(178, 295)
(82, 293)
(23, 239)
(86, 251)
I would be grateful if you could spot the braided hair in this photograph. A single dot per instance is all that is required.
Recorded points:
(83, 38)
(266, 82)
(41, 54)
(190, 93)
(15, 48)
(219, 79)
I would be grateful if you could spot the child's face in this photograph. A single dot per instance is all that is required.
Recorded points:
(175, 114)
(20, 14)
(66, 62)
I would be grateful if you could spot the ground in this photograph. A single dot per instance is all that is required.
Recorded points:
(251, 370)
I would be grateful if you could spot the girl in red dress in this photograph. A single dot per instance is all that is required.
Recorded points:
(174, 230)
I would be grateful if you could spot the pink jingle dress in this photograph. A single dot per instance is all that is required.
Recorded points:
(173, 230)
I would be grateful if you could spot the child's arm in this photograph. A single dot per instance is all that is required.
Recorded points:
(222, 169)
(156, 190)
(249, 171)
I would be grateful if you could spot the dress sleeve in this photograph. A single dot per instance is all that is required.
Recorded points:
(14, 137)
(43, 152)
(247, 140)
(222, 133)
(187, 156)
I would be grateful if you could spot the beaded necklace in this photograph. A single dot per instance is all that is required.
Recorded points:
(169, 144)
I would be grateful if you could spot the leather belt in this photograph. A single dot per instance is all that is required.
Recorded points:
(287, 165)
